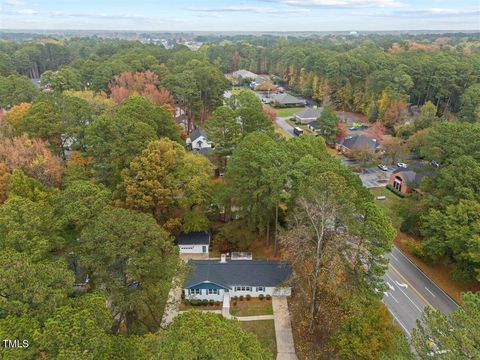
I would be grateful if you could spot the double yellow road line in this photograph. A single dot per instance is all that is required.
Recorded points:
(412, 287)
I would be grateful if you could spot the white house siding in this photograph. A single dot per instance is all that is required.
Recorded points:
(267, 291)
(272, 291)
(192, 249)
(204, 295)
(201, 143)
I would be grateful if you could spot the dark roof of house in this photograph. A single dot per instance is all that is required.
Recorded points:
(205, 151)
(195, 134)
(309, 113)
(285, 98)
(359, 141)
(194, 238)
(238, 272)
(409, 176)
(415, 173)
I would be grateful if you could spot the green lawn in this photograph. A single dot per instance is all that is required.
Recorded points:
(251, 308)
(286, 112)
(390, 205)
(265, 331)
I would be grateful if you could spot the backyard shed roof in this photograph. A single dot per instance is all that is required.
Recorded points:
(194, 238)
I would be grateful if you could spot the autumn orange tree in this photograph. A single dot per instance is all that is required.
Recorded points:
(144, 83)
(16, 113)
(33, 157)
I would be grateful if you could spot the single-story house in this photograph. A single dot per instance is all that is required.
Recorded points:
(408, 180)
(199, 140)
(214, 279)
(307, 115)
(287, 100)
(244, 74)
(357, 142)
(197, 242)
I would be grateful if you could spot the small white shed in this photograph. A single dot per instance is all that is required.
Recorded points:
(197, 242)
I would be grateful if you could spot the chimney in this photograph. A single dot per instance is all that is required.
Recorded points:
(223, 258)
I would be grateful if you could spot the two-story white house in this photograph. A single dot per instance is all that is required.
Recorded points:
(213, 279)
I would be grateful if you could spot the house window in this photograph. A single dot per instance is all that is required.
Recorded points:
(260, 289)
(195, 291)
(243, 288)
(212, 291)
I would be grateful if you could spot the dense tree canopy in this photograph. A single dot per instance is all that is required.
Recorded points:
(94, 178)
(450, 336)
(164, 180)
(16, 89)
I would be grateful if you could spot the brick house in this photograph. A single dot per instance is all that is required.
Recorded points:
(406, 180)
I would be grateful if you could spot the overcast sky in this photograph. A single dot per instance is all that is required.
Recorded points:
(241, 15)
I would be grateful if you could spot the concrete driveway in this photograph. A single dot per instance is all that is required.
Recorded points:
(283, 329)
(282, 122)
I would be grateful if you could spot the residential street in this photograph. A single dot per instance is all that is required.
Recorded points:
(410, 290)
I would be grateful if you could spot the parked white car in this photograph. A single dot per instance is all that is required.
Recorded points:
(402, 165)
(383, 167)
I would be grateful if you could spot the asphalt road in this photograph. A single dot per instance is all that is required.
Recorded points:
(410, 290)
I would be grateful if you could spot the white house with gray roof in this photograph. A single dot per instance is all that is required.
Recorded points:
(214, 279)
(198, 140)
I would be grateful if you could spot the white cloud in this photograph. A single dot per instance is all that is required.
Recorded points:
(15, 2)
(26, 12)
(432, 12)
(250, 9)
(18, 12)
(341, 4)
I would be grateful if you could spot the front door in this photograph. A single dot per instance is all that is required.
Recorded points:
(204, 249)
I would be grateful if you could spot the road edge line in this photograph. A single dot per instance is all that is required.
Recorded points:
(428, 277)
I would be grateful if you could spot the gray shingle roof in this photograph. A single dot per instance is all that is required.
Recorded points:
(309, 113)
(204, 151)
(238, 272)
(415, 172)
(244, 74)
(195, 134)
(194, 238)
(359, 141)
(285, 98)
(410, 176)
